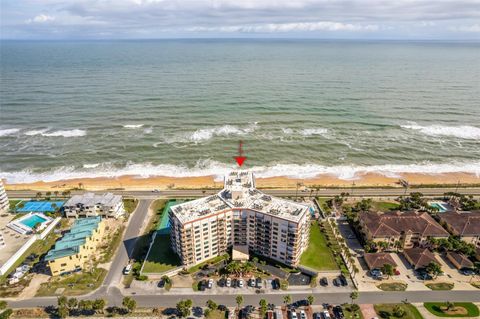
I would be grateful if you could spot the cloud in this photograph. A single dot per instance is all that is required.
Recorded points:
(467, 28)
(171, 18)
(288, 27)
(41, 18)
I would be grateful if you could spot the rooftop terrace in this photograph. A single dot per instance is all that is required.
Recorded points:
(239, 192)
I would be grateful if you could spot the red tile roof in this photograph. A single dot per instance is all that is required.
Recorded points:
(396, 223)
(377, 260)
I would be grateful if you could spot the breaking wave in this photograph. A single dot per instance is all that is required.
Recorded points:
(217, 169)
(206, 134)
(8, 131)
(60, 133)
(133, 126)
(463, 131)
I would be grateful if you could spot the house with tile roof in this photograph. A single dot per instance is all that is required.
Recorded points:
(407, 229)
(76, 248)
(466, 225)
(459, 260)
(419, 257)
(378, 260)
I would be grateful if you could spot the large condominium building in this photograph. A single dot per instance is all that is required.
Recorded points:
(4, 204)
(91, 204)
(76, 249)
(239, 215)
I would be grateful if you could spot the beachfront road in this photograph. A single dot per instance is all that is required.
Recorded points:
(366, 192)
(114, 298)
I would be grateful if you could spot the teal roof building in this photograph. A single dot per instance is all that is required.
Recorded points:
(71, 242)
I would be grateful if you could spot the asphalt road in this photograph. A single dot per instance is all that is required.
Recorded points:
(199, 299)
(367, 192)
(137, 219)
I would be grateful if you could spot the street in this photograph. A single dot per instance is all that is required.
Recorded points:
(370, 192)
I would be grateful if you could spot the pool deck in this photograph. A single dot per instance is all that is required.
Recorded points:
(13, 240)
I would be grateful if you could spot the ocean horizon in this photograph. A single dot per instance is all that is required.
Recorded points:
(108, 108)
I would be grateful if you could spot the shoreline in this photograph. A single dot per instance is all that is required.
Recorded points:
(131, 182)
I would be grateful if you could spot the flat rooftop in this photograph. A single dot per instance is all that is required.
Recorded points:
(92, 199)
(239, 192)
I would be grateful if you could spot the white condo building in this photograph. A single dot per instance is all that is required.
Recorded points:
(4, 204)
(91, 204)
(240, 215)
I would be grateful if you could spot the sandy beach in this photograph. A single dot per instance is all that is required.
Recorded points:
(162, 182)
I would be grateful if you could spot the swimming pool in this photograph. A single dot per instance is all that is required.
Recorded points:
(33, 220)
(439, 206)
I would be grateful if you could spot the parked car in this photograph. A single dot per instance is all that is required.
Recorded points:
(338, 311)
(276, 284)
(228, 282)
(324, 281)
(467, 271)
(251, 282)
(335, 282)
(240, 283)
(343, 280)
(397, 272)
(161, 283)
(210, 283)
(293, 315)
(127, 269)
(259, 282)
(326, 314)
(317, 315)
(303, 315)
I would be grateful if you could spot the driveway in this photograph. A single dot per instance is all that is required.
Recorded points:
(368, 311)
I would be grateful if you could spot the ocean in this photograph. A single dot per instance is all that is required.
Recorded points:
(180, 108)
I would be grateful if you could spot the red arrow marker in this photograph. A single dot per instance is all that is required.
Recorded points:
(240, 158)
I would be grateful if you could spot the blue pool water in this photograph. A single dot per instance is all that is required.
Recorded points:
(441, 209)
(32, 221)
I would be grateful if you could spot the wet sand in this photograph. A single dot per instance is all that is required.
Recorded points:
(162, 182)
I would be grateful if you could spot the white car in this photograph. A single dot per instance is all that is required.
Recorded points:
(293, 315)
(240, 283)
(210, 283)
(228, 283)
(326, 314)
(127, 269)
(303, 315)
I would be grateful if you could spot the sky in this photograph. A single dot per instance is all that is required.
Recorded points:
(323, 19)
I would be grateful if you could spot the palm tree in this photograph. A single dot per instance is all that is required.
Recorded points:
(310, 299)
(287, 299)
(239, 301)
(354, 296)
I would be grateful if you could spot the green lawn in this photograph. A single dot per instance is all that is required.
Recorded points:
(386, 311)
(216, 314)
(75, 284)
(435, 308)
(130, 204)
(350, 314)
(318, 256)
(393, 286)
(13, 203)
(384, 206)
(440, 286)
(161, 257)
